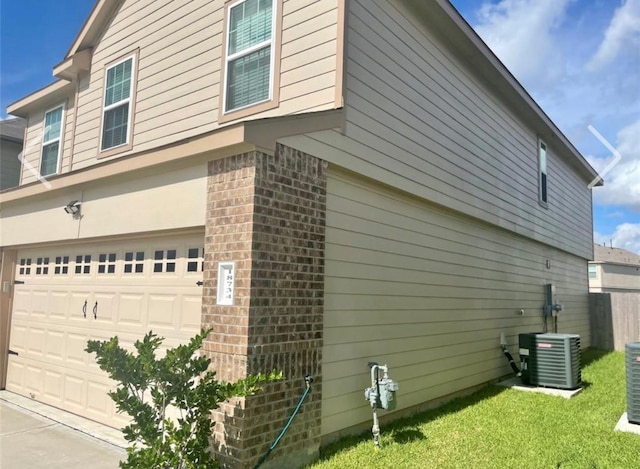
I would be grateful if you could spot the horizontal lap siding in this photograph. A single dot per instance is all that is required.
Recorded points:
(620, 276)
(32, 148)
(180, 62)
(446, 137)
(67, 139)
(428, 292)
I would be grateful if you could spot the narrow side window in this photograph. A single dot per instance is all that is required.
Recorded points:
(542, 169)
(51, 142)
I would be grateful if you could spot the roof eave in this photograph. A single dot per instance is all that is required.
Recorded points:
(515, 85)
(52, 92)
(99, 15)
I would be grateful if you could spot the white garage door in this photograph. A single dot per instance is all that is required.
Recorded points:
(66, 295)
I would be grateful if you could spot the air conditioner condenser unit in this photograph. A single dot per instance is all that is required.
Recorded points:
(632, 365)
(550, 360)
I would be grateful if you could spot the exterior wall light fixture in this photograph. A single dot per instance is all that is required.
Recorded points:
(73, 208)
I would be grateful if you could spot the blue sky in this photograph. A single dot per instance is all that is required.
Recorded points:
(579, 59)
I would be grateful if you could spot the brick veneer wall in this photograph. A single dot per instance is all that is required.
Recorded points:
(267, 214)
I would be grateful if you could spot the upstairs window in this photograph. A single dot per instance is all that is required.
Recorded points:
(249, 55)
(51, 142)
(116, 114)
(542, 168)
(593, 271)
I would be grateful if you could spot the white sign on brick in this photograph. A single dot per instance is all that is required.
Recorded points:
(226, 274)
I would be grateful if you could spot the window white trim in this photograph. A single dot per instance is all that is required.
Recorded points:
(230, 57)
(543, 171)
(128, 101)
(53, 140)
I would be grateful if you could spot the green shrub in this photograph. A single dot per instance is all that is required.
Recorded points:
(147, 386)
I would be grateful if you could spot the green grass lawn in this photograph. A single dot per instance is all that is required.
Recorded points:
(505, 428)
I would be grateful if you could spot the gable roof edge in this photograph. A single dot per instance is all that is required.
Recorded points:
(99, 15)
(471, 35)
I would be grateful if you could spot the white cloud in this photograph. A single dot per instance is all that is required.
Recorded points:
(622, 183)
(550, 47)
(623, 32)
(626, 236)
(521, 34)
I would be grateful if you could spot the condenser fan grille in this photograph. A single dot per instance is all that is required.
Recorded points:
(632, 365)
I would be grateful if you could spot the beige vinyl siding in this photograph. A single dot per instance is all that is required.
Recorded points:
(180, 64)
(32, 148)
(426, 119)
(619, 277)
(155, 199)
(67, 139)
(32, 152)
(428, 292)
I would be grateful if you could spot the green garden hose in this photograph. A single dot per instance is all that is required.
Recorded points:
(308, 380)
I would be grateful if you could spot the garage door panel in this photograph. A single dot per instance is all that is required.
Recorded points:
(162, 311)
(55, 345)
(36, 341)
(104, 307)
(76, 344)
(53, 385)
(39, 306)
(74, 392)
(191, 312)
(34, 379)
(138, 284)
(15, 375)
(21, 303)
(78, 305)
(58, 304)
(132, 309)
(97, 397)
(18, 342)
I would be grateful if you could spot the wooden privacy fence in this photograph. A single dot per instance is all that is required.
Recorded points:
(615, 319)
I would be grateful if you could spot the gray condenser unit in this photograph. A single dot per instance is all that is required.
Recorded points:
(550, 359)
(632, 354)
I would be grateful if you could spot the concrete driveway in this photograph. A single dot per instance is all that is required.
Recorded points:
(31, 441)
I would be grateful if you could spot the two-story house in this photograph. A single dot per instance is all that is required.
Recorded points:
(614, 270)
(614, 284)
(324, 183)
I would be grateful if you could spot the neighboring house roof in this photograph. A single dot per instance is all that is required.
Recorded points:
(13, 129)
(610, 255)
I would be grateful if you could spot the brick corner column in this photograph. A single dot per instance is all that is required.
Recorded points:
(266, 213)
